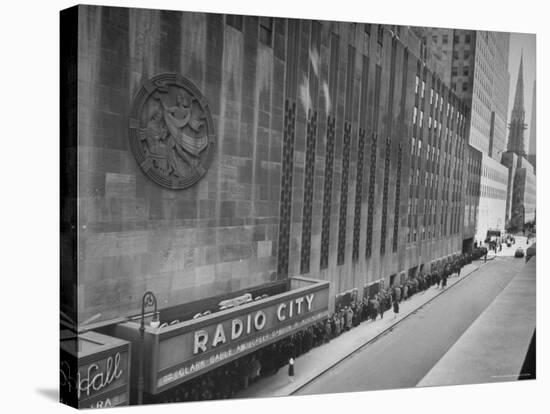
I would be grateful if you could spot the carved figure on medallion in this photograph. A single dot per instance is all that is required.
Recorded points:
(171, 131)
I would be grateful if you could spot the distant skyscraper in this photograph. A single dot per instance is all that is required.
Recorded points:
(517, 122)
(532, 153)
(475, 65)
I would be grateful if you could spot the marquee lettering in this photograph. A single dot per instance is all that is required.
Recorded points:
(255, 321)
(219, 336)
(95, 380)
(236, 328)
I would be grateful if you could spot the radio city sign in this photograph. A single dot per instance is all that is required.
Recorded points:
(179, 352)
(251, 323)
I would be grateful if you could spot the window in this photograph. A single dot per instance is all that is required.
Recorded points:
(416, 84)
(456, 39)
(466, 54)
(445, 39)
(454, 71)
(415, 113)
(466, 71)
(434, 38)
(423, 88)
(467, 38)
(367, 29)
(455, 55)
(234, 21)
(266, 30)
(464, 87)
(380, 35)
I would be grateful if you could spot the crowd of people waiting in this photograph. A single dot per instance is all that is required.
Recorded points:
(226, 381)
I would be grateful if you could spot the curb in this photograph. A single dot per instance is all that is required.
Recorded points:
(374, 338)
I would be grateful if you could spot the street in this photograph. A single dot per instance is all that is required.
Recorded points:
(404, 355)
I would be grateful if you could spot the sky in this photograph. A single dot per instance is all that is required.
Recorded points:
(525, 41)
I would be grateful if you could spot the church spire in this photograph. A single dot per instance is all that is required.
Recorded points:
(517, 124)
(519, 107)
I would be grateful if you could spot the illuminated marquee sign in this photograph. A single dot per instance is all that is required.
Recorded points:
(94, 371)
(179, 352)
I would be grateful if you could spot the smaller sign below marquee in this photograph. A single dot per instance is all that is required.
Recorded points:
(94, 370)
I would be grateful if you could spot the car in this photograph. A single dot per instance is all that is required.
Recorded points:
(531, 251)
(519, 252)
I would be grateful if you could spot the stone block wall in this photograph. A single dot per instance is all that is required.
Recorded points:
(268, 83)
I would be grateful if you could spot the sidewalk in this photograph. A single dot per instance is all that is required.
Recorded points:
(494, 348)
(318, 360)
(521, 241)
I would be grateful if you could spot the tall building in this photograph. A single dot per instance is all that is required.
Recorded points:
(472, 192)
(222, 157)
(521, 197)
(532, 152)
(475, 65)
(492, 197)
(517, 123)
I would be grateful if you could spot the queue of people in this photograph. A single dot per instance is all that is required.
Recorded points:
(226, 381)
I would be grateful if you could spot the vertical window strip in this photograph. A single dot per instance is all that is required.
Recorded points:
(372, 177)
(397, 206)
(329, 152)
(311, 141)
(288, 149)
(345, 157)
(387, 160)
(360, 159)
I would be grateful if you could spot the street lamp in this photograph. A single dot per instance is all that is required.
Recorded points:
(149, 300)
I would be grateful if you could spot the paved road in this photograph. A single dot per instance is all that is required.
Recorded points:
(402, 357)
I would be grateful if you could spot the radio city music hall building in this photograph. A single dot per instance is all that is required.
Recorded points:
(208, 157)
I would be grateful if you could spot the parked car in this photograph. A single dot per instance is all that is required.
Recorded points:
(531, 251)
(519, 252)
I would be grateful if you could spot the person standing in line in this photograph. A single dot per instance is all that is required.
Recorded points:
(397, 293)
(337, 326)
(291, 369)
(395, 304)
(374, 308)
(349, 322)
(381, 305)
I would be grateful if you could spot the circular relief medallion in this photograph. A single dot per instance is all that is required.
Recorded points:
(171, 131)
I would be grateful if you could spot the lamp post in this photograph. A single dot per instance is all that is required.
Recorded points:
(149, 300)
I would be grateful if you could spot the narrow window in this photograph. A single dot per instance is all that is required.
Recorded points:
(266, 30)
(235, 21)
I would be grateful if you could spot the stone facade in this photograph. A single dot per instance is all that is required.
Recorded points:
(532, 151)
(521, 201)
(319, 128)
(492, 198)
(472, 193)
